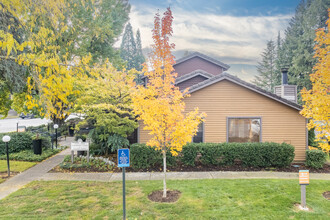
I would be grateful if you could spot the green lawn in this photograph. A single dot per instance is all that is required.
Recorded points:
(15, 166)
(200, 199)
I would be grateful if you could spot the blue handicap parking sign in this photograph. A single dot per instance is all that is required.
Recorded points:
(123, 157)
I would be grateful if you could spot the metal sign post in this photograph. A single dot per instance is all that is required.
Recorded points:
(303, 181)
(123, 161)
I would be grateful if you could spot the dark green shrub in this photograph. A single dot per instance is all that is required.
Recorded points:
(45, 142)
(78, 136)
(211, 153)
(219, 154)
(248, 154)
(37, 129)
(28, 155)
(171, 160)
(189, 153)
(267, 154)
(18, 142)
(315, 158)
(143, 157)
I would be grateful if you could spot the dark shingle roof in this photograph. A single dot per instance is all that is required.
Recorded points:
(227, 76)
(193, 74)
(203, 56)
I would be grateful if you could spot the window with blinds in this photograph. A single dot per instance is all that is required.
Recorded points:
(244, 130)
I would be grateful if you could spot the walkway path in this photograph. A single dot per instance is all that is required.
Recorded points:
(109, 177)
(40, 172)
(13, 184)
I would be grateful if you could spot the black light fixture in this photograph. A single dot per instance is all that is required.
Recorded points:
(6, 139)
(56, 127)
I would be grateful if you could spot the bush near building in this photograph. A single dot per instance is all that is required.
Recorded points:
(265, 154)
(315, 158)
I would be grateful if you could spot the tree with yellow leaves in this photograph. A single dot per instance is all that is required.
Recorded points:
(60, 38)
(317, 100)
(160, 104)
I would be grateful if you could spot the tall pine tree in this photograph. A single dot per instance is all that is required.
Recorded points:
(297, 47)
(139, 58)
(268, 77)
(128, 47)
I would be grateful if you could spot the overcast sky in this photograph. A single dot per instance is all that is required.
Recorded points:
(232, 31)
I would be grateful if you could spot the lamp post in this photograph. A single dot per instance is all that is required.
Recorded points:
(56, 127)
(6, 139)
(17, 125)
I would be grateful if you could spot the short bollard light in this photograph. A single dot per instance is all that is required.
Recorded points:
(56, 127)
(6, 139)
(17, 125)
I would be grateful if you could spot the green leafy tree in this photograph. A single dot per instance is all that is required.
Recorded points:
(5, 101)
(267, 78)
(105, 99)
(95, 27)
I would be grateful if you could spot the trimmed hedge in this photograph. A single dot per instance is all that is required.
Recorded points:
(22, 141)
(315, 158)
(265, 154)
(18, 142)
(143, 157)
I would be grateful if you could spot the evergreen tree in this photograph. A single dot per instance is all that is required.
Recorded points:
(267, 77)
(296, 51)
(279, 60)
(13, 74)
(139, 58)
(128, 47)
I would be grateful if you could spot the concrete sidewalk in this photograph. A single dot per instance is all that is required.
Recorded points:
(40, 172)
(110, 177)
(13, 184)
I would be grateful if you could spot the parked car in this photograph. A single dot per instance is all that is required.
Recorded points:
(29, 116)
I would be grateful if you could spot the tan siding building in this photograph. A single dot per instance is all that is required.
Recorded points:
(225, 97)
(279, 122)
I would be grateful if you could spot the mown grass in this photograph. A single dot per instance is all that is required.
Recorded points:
(200, 199)
(15, 166)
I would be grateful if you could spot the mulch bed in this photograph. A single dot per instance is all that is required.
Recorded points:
(171, 196)
(57, 169)
(4, 175)
(326, 195)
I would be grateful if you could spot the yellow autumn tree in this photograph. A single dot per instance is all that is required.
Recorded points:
(159, 105)
(50, 84)
(61, 37)
(317, 100)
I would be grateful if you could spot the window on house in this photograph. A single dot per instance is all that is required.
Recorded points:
(244, 130)
(133, 138)
(198, 138)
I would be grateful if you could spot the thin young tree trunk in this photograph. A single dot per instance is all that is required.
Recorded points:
(164, 168)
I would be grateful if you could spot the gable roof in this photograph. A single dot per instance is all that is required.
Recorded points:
(233, 79)
(192, 75)
(203, 56)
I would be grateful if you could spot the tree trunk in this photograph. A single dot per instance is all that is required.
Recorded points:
(164, 169)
